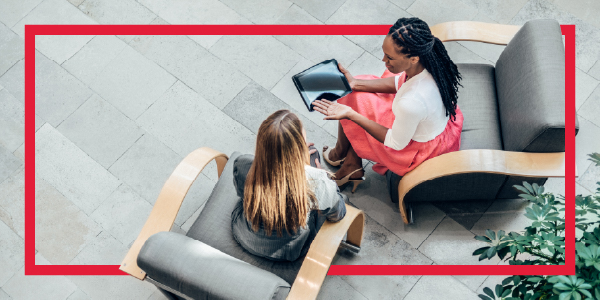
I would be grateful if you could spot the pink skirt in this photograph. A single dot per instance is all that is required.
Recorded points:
(378, 107)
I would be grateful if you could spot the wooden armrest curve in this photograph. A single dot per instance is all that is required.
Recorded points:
(322, 251)
(474, 31)
(523, 164)
(169, 201)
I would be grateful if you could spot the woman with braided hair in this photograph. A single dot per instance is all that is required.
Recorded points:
(402, 118)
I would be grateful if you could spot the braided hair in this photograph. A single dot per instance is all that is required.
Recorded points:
(415, 39)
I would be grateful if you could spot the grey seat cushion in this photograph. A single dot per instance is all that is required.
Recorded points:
(477, 101)
(213, 227)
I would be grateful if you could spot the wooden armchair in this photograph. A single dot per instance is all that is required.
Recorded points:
(179, 279)
(514, 124)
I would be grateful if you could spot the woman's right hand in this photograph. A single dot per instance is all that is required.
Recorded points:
(348, 76)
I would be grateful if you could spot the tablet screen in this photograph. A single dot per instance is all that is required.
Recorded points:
(322, 81)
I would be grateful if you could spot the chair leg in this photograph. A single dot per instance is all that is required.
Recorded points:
(355, 232)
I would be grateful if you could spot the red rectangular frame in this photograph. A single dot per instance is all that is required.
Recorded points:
(32, 30)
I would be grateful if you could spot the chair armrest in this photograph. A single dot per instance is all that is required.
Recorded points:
(474, 31)
(169, 201)
(322, 251)
(189, 267)
(525, 164)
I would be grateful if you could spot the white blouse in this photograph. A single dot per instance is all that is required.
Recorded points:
(419, 112)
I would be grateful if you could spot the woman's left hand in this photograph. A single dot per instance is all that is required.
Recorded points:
(333, 110)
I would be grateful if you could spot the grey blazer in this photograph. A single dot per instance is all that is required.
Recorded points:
(289, 246)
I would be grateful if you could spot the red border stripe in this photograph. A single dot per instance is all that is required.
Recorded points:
(32, 30)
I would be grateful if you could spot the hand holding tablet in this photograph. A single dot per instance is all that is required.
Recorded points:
(322, 81)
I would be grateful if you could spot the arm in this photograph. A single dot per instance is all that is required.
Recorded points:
(383, 85)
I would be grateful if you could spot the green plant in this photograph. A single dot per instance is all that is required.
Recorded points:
(542, 243)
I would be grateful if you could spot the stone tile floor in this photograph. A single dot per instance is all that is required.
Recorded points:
(115, 115)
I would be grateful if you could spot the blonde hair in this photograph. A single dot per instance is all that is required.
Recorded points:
(276, 193)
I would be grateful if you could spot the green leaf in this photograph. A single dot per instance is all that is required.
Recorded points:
(498, 289)
(528, 187)
(491, 234)
(491, 252)
(483, 238)
(564, 296)
(561, 286)
(489, 292)
(483, 297)
(507, 280)
(586, 293)
(505, 293)
(534, 279)
(480, 250)
(520, 188)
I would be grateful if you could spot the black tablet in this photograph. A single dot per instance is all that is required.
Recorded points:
(321, 81)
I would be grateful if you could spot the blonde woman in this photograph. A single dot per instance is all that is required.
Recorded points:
(285, 200)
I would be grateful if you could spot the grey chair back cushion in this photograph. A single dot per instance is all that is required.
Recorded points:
(477, 101)
(213, 227)
(199, 271)
(530, 80)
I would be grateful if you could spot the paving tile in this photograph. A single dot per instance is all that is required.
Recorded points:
(117, 11)
(132, 83)
(113, 287)
(557, 186)
(12, 202)
(590, 178)
(123, 215)
(436, 11)
(459, 54)
(501, 11)
(286, 91)
(62, 229)
(381, 247)
(371, 43)
(14, 10)
(318, 48)
(440, 287)
(13, 80)
(373, 198)
(262, 58)
(507, 215)
(261, 11)
(254, 104)
(586, 10)
(56, 47)
(103, 249)
(586, 141)
(595, 70)
(93, 57)
(71, 171)
(146, 166)
(367, 64)
(320, 10)
(76, 2)
(157, 295)
(466, 213)
(472, 282)
(336, 288)
(585, 85)
(590, 109)
(297, 15)
(404, 4)
(9, 163)
(11, 121)
(212, 78)
(79, 295)
(587, 48)
(3, 295)
(195, 12)
(185, 121)
(11, 48)
(46, 287)
(451, 244)
(368, 12)
(11, 254)
(331, 128)
(58, 93)
(100, 130)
